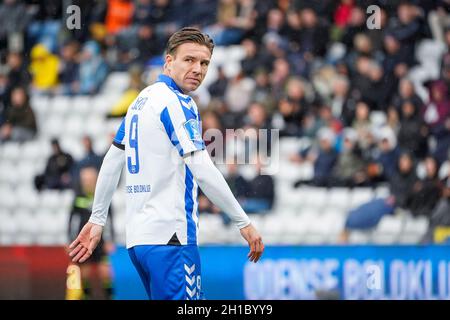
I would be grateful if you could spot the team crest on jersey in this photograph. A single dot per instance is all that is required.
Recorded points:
(193, 130)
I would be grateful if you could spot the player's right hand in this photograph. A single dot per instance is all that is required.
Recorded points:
(86, 242)
(255, 243)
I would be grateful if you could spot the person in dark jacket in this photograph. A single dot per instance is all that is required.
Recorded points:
(427, 191)
(256, 195)
(20, 122)
(58, 171)
(413, 132)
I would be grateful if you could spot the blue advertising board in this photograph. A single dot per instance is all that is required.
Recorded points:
(311, 272)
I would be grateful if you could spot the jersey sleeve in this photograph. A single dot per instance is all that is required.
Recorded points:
(120, 135)
(183, 127)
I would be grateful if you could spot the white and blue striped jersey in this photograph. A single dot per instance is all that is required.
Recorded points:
(161, 126)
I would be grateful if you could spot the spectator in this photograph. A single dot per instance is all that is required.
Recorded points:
(58, 171)
(69, 69)
(263, 90)
(406, 91)
(343, 13)
(427, 191)
(287, 118)
(93, 69)
(342, 105)
(413, 132)
(18, 75)
(383, 162)
(440, 216)
(44, 69)
(367, 216)
(218, 88)
(239, 92)
(4, 94)
(438, 107)
(91, 158)
(14, 19)
(323, 158)
(356, 24)
(20, 123)
(442, 135)
(46, 24)
(234, 18)
(119, 15)
(255, 195)
(349, 170)
(361, 124)
(407, 28)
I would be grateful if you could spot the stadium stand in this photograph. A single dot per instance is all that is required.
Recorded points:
(408, 45)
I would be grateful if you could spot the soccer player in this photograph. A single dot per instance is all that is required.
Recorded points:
(166, 161)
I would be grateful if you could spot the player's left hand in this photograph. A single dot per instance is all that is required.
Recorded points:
(86, 242)
(255, 243)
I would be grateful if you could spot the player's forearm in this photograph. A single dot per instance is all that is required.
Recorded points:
(214, 186)
(107, 182)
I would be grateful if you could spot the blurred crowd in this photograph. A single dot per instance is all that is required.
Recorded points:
(312, 69)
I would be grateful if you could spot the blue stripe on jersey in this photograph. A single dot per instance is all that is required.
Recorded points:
(120, 133)
(189, 207)
(168, 125)
(190, 114)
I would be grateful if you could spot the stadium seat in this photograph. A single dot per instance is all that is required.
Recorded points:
(54, 126)
(358, 237)
(25, 172)
(27, 226)
(8, 198)
(95, 126)
(289, 146)
(298, 228)
(61, 105)
(314, 197)
(81, 105)
(339, 198)
(11, 151)
(275, 227)
(28, 197)
(382, 192)
(50, 228)
(50, 199)
(116, 82)
(8, 228)
(388, 230)
(66, 197)
(414, 230)
(73, 146)
(360, 196)
(75, 126)
(40, 104)
(31, 150)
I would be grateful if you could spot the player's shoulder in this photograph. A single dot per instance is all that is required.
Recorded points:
(160, 93)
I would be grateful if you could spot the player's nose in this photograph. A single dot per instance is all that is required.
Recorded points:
(197, 68)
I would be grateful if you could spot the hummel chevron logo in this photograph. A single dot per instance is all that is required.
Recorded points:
(190, 281)
(189, 270)
(191, 293)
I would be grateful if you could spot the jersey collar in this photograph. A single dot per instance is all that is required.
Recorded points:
(169, 82)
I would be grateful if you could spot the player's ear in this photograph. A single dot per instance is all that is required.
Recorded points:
(168, 62)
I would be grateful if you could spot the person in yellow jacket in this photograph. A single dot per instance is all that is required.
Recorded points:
(44, 68)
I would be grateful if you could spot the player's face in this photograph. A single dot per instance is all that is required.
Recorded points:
(188, 66)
